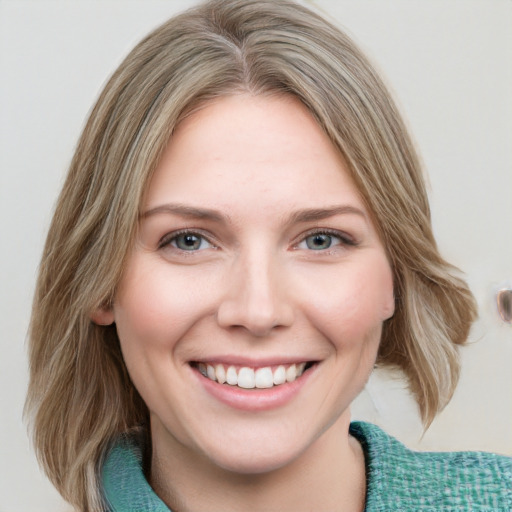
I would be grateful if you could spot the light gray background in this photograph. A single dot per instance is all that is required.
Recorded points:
(449, 65)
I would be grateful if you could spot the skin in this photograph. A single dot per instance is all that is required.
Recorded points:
(255, 288)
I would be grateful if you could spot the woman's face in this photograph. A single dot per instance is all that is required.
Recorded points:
(256, 262)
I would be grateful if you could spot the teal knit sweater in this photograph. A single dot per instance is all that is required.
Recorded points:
(398, 479)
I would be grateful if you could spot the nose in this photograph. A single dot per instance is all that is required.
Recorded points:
(256, 298)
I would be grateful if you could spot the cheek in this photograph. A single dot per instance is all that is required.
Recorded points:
(154, 307)
(354, 305)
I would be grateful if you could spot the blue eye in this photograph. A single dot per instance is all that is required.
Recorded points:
(188, 242)
(321, 241)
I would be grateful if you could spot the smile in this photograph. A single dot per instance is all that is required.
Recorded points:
(252, 378)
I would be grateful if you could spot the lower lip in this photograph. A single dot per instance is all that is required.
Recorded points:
(255, 399)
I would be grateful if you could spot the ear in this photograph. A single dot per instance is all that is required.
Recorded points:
(389, 310)
(389, 306)
(103, 316)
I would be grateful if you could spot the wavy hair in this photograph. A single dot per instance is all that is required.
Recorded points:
(80, 395)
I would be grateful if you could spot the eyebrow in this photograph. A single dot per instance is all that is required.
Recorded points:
(314, 214)
(304, 215)
(185, 211)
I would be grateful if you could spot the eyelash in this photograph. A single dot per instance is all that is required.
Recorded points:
(170, 237)
(343, 238)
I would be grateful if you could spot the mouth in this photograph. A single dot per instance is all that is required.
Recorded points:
(246, 377)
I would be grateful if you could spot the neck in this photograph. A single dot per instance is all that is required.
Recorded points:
(328, 475)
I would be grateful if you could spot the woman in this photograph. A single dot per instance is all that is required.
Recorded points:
(243, 233)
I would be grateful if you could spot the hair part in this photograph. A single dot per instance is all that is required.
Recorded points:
(80, 395)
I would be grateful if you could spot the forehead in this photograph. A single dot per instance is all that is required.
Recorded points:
(257, 148)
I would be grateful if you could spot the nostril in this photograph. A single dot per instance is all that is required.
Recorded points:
(253, 317)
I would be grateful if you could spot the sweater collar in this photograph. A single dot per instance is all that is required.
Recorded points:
(126, 489)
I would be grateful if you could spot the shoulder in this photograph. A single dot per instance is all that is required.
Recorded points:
(401, 479)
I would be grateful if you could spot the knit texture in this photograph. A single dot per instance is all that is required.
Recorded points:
(398, 479)
(125, 487)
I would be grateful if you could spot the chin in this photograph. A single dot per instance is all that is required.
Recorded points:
(261, 450)
(259, 460)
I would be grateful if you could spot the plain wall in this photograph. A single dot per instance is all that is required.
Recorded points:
(449, 66)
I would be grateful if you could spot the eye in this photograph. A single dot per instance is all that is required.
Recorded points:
(320, 241)
(186, 241)
(323, 240)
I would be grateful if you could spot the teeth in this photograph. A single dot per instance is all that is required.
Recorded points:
(202, 369)
(249, 378)
(246, 378)
(291, 373)
(279, 375)
(220, 374)
(231, 376)
(264, 378)
(210, 372)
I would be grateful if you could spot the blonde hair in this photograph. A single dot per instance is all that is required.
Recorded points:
(80, 395)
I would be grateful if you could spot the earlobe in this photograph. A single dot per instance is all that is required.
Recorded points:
(103, 316)
(390, 311)
(389, 308)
